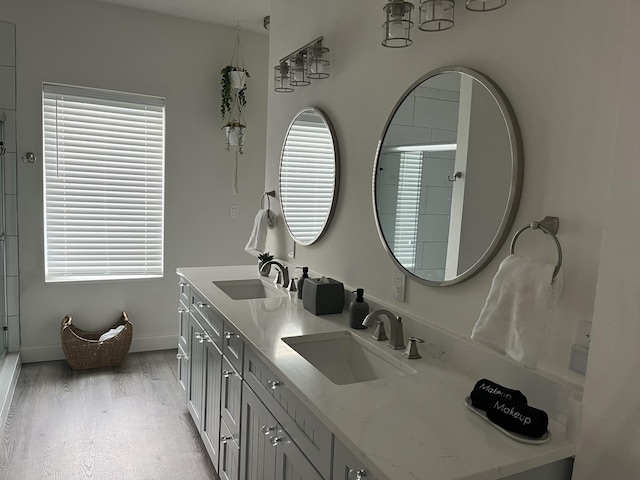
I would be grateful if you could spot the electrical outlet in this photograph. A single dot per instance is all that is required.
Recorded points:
(233, 211)
(398, 285)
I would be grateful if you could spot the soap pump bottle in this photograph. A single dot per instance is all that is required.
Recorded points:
(358, 310)
(305, 274)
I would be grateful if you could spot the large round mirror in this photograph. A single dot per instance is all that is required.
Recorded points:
(309, 175)
(448, 176)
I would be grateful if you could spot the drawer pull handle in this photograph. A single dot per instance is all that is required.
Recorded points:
(228, 335)
(182, 310)
(180, 356)
(198, 337)
(226, 439)
(183, 284)
(267, 429)
(274, 441)
(207, 337)
(202, 305)
(273, 384)
(360, 474)
(227, 373)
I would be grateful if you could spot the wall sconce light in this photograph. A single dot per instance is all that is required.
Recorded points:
(435, 16)
(485, 5)
(297, 69)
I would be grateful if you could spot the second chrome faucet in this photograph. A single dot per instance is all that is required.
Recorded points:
(396, 334)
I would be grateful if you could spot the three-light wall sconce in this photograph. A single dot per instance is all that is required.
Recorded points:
(309, 62)
(434, 16)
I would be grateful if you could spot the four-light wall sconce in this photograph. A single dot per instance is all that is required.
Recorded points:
(309, 62)
(434, 16)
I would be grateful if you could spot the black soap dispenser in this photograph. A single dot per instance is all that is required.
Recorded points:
(305, 274)
(358, 310)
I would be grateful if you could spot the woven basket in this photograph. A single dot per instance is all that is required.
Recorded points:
(83, 350)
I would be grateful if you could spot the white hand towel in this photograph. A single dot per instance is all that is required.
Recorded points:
(513, 318)
(258, 237)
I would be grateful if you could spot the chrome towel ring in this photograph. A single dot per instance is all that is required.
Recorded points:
(550, 226)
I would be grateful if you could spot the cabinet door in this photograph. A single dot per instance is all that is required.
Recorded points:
(229, 462)
(211, 402)
(257, 455)
(346, 466)
(183, 326)
(231, 396)
(291, 464)
(196, 371)
(183, 370)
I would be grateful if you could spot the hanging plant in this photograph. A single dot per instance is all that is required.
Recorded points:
(233, 82)
(233, 100)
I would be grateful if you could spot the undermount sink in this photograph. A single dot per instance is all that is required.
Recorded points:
(345, 358)
(248, 289)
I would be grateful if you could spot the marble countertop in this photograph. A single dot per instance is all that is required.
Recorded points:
(410, 427)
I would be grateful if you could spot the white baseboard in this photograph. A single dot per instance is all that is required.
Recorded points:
(9, 372)
(47, 353)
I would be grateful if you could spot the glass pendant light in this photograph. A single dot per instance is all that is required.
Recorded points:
(298, 72)
(282, 78)
(485, 5)
(318, 61)
(436, 15)
(397, 26)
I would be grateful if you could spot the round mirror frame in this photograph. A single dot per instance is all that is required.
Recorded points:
(515, 189)
(336, 184)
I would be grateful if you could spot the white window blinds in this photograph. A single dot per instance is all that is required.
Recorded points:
(408, 209)
(103, 184)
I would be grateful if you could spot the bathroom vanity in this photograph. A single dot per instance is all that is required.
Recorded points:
(269, 387)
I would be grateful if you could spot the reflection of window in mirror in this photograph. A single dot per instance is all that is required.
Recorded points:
(448, 176)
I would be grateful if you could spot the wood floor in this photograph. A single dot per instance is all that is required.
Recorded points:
(128, 423)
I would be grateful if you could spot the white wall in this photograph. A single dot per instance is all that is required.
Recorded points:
(610, 436)
(106, 46)
(562, 81)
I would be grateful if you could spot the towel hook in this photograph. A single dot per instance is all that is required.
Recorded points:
(550, 226)
(271, 219)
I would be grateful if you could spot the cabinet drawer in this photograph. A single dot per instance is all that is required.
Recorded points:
(231, 397)
(184, 289)
(207, 313)
(232, 346)
(309, 433)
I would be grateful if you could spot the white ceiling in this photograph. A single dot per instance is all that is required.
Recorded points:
(250, 13)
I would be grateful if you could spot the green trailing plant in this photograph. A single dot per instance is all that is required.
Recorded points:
(227, 93)
(265, 257)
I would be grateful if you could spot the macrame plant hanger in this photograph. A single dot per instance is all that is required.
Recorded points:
(235, 122)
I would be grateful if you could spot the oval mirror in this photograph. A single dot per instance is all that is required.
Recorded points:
(309, 175)
(448, 176)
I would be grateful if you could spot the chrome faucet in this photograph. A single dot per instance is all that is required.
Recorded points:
(396, 334)
(282, 278)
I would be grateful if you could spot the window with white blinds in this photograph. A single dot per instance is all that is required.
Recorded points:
(408, 209)
(103, 184)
